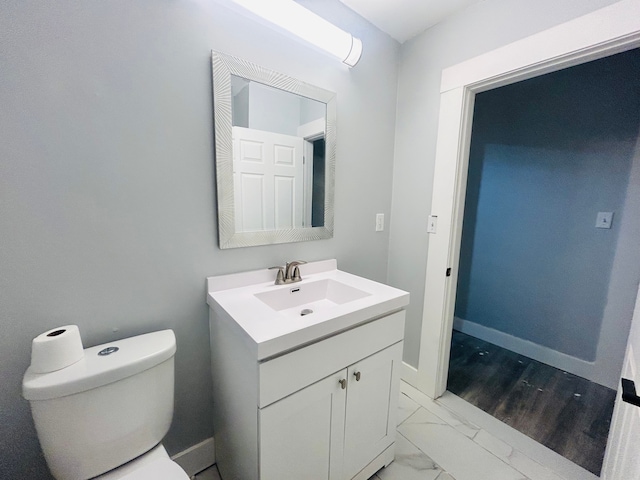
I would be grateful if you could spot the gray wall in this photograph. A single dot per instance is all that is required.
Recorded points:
(240, 108)
(273, 110)
(546, 155)
(311, 110)
(107, 199)
(480, 28)
(261, 107)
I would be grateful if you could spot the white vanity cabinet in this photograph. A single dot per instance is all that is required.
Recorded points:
(370, 425)
(325, 411)
(327, 431)
(301, 436)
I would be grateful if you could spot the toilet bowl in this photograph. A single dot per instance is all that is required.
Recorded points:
(104, 416)
(155, 464)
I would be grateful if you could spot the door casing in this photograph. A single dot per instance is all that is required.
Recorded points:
(602, 33)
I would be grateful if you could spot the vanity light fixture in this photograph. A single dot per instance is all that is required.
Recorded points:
(310, 27)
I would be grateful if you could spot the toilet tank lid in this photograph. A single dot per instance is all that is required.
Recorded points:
(129, 357)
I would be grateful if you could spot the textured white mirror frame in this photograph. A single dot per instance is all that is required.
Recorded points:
(223, 67)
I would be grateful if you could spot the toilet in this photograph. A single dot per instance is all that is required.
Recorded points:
(104, 416)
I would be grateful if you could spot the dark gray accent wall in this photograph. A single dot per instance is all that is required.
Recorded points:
(547, 154)
(107, 193)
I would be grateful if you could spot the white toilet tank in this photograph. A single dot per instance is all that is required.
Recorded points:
(107, 409)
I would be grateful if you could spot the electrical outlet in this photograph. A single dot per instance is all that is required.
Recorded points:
(379, 222)
(604, 219)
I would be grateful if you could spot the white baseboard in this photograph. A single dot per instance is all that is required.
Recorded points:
(547, 355)
(409, 374)
(197, 457)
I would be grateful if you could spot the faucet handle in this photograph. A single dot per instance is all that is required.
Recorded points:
(280, 274)
(291, 271)
(295, 263)
(296, 274)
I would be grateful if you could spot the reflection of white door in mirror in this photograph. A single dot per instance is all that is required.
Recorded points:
(268, 180)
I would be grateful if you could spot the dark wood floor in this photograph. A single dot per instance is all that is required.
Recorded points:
(566, 413)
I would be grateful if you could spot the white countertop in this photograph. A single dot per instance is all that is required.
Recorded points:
(269, 333)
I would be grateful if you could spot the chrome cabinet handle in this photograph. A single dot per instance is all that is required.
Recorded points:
(343, 383)
(357, 375)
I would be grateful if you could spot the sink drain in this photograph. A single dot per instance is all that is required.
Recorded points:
(306, 311)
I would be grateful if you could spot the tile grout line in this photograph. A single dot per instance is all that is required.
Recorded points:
(561, 472)
(454, 415)
(442, 470)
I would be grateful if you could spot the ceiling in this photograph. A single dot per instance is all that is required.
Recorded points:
(404, 19)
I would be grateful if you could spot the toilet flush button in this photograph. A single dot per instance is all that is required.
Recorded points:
(108, 351)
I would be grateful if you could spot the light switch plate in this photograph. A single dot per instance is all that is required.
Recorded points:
(432, 224)
(604, 219)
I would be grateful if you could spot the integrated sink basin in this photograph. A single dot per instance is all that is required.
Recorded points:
(306, 298)
(273, 319)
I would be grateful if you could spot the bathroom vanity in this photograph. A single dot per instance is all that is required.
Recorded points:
(304, 396)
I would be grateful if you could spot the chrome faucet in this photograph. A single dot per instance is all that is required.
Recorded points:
(290, 273)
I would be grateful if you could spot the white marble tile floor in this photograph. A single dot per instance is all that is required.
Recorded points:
(437, 441)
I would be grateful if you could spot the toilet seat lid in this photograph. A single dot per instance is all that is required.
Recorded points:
(161, 469)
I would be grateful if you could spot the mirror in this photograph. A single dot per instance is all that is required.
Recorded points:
(275, 155)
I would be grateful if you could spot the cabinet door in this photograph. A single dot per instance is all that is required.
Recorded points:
(302, 435)
(371, 408)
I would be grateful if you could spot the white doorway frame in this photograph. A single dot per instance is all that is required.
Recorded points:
(310, 132)
(602, 33)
